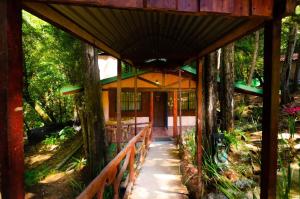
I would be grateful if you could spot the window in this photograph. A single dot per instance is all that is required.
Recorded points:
(127, 101)
(188, 101)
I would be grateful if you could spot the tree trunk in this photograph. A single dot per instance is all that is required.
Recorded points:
(297, 76)
(227, 88)
(35, 105)
(255, 54)
(211, 96)
(286, 68)
(90, 111)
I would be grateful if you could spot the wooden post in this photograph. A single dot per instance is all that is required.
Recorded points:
(270, 108)
(119, 117)
(180, 108)
(135, 101)
(175, 112)
(11, 115)
(199, 123)
(151, 117)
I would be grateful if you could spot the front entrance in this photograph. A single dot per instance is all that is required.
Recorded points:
(160, 109)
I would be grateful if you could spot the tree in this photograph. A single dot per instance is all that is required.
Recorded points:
(90, 111)
(227, 88)
(210, 101)
(286, 68)
(254, 59)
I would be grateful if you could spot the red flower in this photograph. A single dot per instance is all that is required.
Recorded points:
(291, 110)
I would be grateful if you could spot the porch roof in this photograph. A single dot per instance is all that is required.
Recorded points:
(152, 32)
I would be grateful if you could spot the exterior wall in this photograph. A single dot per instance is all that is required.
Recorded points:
(186, 121)
(105, 101)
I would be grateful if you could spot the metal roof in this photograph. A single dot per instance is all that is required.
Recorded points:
(140, 36)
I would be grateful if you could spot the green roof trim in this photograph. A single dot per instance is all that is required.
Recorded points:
(239, 85)
(124, 76)
(70, 89)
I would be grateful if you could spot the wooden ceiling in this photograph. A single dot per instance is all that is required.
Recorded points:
(145, 32)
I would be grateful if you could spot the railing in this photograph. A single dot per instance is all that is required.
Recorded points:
(127, 132)
(113, 173)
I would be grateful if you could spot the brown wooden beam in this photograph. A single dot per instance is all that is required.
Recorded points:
(270, 108)
(50, 15)
(119, 116)
(148, 81)
(175, 112)
(199, 122)
(203, 7)
(11, 115)
(151, 116)
(135, 101)
(180, 107)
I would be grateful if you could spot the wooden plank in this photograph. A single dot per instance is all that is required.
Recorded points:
(199, 119)
(159, 4)
(194, 7)
(11, 115)
(235, 34)
(262, 7)
(175, 112)
(270, 108)
(188, 5)
(220, 6)
(119, 116)
(241, 8)
(50, 15)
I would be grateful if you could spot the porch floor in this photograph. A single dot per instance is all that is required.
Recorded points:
(160, 176)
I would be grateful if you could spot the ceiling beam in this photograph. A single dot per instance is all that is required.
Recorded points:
(235, 8)
(48, 14)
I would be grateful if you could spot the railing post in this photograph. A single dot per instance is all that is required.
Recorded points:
(131, 164)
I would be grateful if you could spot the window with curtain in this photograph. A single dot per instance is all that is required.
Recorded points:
(127, 101)
(188, 101)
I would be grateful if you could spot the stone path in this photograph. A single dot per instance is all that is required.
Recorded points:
(160, 176)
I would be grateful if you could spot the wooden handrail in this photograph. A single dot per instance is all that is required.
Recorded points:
(111, 173)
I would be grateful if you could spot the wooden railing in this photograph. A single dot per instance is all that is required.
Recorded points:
(113, 173)
(127, 132)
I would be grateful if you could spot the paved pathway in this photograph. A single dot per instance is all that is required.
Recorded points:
(160, 176)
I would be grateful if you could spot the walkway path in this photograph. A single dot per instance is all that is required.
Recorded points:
(160, 174)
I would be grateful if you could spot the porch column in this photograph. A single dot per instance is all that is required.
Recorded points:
(151, 115)
(199, 121)
(175, 112)
(11, 115)
(180, 108)
(270, 108)
(119, 117)
(135, 101)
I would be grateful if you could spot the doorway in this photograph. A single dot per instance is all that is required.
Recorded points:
(160, 109)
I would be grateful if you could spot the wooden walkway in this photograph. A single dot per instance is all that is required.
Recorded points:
(160, 176)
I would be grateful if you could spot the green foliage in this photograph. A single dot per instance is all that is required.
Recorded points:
(77, 164)
(49, 55)
(77, 186)
(33, 176)
(60, 137)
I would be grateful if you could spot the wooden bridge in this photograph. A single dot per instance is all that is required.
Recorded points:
(159, 176)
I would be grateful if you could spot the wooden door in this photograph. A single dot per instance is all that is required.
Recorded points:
(160, 107)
